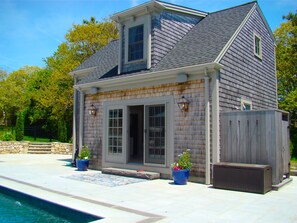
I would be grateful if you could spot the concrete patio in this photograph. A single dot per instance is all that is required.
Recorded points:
(48, 177)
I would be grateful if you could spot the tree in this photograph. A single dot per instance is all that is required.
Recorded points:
(286, 57)
(19, 130)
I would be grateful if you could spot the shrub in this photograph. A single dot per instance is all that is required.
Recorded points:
(84, 153)
(7, 136)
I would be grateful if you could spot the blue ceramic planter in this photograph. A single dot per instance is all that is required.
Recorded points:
(82, 165)
(180, 177)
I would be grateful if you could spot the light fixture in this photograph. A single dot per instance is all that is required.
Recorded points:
(183, 104)
(92, 110)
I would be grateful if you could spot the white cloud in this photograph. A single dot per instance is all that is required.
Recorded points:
(134, 3)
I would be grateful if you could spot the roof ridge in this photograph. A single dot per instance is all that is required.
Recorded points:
(233, 7)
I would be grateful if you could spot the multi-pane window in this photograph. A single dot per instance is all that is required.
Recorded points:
(257, 46)
(115, 131)
(156, 134)
(135, 44)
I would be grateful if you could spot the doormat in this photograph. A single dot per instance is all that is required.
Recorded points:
(105, 179)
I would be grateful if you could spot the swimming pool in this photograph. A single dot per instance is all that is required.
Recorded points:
(22, 208)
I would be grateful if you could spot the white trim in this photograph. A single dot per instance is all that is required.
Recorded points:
(74, 122)
(260, 45)
(155, 6)
(82, 72)
(81, 119)
(150, 78)
(231, 40)
(149, 41)
(168, 101)
(207, 129)
(120, 26)
(215, 115)
(130, 24)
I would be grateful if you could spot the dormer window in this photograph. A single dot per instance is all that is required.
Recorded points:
(135, 47)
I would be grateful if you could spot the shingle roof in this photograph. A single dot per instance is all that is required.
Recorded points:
(200, 45)
(105, 61)
(206, 40)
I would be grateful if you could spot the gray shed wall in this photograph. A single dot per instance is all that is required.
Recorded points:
(245, 76)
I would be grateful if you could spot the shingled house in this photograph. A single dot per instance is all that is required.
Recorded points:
(160, 87)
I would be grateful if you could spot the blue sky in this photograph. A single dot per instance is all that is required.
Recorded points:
(31, 30)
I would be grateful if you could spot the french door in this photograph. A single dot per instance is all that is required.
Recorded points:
(120, 142)
(155, 134)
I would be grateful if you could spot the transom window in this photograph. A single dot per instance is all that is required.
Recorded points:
(115, 131)
(135, 45)
(257, 46)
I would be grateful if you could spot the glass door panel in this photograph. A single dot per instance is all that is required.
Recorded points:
(155, 134)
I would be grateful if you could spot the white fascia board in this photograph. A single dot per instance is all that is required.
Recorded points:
(82, 72)
(150, 79)
(231, 40)
(184, 10)
(151, 6)
(140, 9)
(266, 23)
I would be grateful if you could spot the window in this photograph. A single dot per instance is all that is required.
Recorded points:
(115, 131)
(246, 105)
(257, 46)
(135, 45)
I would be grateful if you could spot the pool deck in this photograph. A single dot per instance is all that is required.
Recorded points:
(45, 176)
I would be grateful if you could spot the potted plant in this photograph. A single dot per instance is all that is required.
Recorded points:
(82, 161)
(181, 168)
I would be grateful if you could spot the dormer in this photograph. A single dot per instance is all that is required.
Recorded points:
(149, 31)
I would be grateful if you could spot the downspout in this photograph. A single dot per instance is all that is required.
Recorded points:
(207, 129)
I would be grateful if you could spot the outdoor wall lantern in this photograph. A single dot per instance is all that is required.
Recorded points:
(183, 104)
(92, 110)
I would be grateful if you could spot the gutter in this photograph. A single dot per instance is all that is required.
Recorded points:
(146, 79)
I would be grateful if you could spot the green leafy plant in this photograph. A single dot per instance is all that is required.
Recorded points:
(183, 162)
(19, 131)
(84, 153)
(7, 136)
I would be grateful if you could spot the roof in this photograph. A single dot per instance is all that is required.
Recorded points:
(201, 45)
(207, 39)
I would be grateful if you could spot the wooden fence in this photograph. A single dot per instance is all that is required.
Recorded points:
(257, 137)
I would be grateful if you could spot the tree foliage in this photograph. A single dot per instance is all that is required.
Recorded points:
(286, 57)
(46, 95)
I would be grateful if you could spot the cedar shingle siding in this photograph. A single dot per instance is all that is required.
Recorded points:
(246, 76)
(167, 29)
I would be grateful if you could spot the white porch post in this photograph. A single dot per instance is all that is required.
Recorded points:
(207, 129)
(215, 113)
(81, 118)
(74, 122)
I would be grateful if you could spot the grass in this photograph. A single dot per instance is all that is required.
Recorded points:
(26, 138)
(294, 163)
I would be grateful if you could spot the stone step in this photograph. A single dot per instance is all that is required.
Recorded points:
(40, 148)
(131, 173)
(293, 172)
(39, 152)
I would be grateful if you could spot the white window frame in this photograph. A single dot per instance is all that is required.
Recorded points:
(136, 22)
(243, 102)
(256, 36)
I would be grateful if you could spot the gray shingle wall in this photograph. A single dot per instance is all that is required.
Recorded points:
(167, 29)
(246, 76)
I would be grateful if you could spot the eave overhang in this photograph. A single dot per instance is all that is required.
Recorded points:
(122, 82)
(154, 6)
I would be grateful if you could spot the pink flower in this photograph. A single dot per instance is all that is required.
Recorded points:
(175, 168)
(180, 167)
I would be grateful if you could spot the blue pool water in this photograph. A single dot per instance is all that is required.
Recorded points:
(21, 208)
